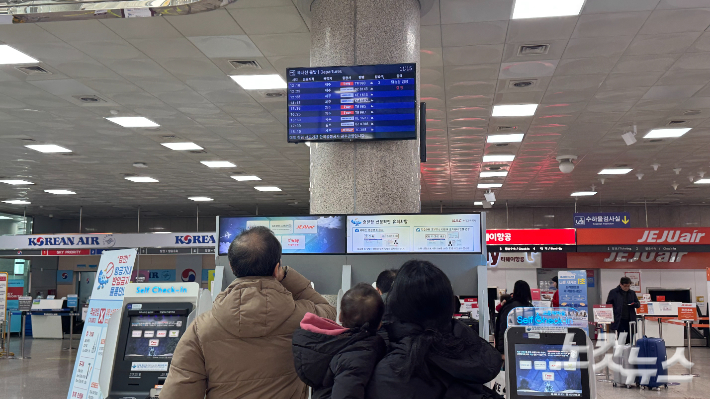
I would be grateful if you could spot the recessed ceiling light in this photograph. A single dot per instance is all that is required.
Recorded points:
(5, 218)
(493, 174)
(47, 148)
(506, 138)
(489, 185)
(9, 55)
(132, 121)
(268, 188)
(666, 133)
(702, 181)
(498, 158)
(218, 164)
(259, 82)
(141, 179)
(16, 182)
(615, 171)
(17, 202)
(245, 178)
(583, 193)
(200, 199)
(479, 203)
(546, 8)
(187, 146)
(59, 192)
(514, 110)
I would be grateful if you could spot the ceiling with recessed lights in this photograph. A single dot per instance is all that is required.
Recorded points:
(589, 79)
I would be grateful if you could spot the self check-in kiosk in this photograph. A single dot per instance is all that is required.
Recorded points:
(142, 338)
(547, 354)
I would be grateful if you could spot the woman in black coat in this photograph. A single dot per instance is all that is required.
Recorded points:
(430, 355)
(521, 298)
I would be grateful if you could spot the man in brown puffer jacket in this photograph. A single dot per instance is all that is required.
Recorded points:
(242, 347)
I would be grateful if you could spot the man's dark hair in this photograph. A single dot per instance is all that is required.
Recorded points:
(457, 304)
(362, 305)
(625, 280)
(385, 280)
(254, 252)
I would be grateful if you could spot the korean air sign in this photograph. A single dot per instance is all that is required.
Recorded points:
(88, 241)
(195, 239)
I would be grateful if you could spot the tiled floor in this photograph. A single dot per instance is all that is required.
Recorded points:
(47, 374)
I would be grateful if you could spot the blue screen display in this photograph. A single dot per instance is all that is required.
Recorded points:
(368, 102)
(547, 370)
(297, 234)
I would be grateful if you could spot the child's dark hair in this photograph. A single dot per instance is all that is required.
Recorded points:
(362, 305)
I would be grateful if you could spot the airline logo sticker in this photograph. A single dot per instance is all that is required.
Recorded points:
(154, 342)
(282, 226)
(293, 242)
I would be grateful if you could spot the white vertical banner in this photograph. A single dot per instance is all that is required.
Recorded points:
(3, 297)
(114, 273)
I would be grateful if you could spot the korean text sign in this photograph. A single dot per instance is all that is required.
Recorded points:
(114, 273)
(573, 291)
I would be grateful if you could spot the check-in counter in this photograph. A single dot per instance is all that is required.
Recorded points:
(47, 318)
(673, 334)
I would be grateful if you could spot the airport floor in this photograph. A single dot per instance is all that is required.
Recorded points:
(47, 373)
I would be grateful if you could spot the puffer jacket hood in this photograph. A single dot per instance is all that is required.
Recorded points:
(348, 358)
(253, 307)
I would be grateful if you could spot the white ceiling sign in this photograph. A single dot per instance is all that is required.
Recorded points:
(83, 241)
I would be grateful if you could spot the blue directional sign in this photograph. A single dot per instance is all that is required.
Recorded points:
(602, 220)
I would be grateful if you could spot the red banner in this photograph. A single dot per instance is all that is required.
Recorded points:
(530, 237)
(676, 236)
(638, 260)
(65, 252)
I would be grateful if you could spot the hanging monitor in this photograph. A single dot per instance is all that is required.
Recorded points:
(304, 234)
(367, 102)
(459, 233)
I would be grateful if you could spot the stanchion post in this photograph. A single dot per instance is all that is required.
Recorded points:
(690, 355)
(22, 342)
(9, 333)
(660, 328)
(71, 330)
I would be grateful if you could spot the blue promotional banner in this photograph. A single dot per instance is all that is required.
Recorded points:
(65, 276)
(72, 301)
(114, 273)
(165, 275)
(573, 292)
(602, 220)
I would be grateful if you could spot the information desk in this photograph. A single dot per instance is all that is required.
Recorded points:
(47, 318)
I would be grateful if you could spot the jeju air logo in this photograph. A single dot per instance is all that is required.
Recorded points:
(188, 275)
(105, 275)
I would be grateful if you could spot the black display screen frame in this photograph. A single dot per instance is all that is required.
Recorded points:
(412, 135)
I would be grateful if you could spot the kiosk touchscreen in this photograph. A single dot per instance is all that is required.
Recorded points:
(540, 365)
(147, 339)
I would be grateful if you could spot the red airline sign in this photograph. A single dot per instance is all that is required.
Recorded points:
(531, 237)
(674, 236)
(65, 252)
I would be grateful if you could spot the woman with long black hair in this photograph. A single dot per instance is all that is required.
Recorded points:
(430, 354)
(522, 297)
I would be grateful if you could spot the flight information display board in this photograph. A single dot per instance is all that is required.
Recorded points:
(369, 102)
(459, 233)
(298, 234)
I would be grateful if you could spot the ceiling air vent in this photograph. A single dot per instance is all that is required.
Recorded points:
(691, 112)
(506, 128)
(533, 49)
(90, 99)
(676, 122)
(272, 94)
(522, 84)
(198, 152)
(275, 94)
(655, 140)
(244, 64)
(33, 70)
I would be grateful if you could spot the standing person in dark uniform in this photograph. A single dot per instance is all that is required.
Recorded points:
(625, 303)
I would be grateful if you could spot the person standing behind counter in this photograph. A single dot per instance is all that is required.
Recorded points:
(625, 303)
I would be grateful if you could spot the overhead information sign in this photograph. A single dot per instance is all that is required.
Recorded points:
(680, 239)
(414, 233)
(602, 220)
(297, 234)
(531, 240)
(352, 103)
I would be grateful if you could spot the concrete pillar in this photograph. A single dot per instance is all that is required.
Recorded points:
(365, 177)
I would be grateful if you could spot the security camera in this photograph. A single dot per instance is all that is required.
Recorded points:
(629, 137)
(490, 196)
(566, 165)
